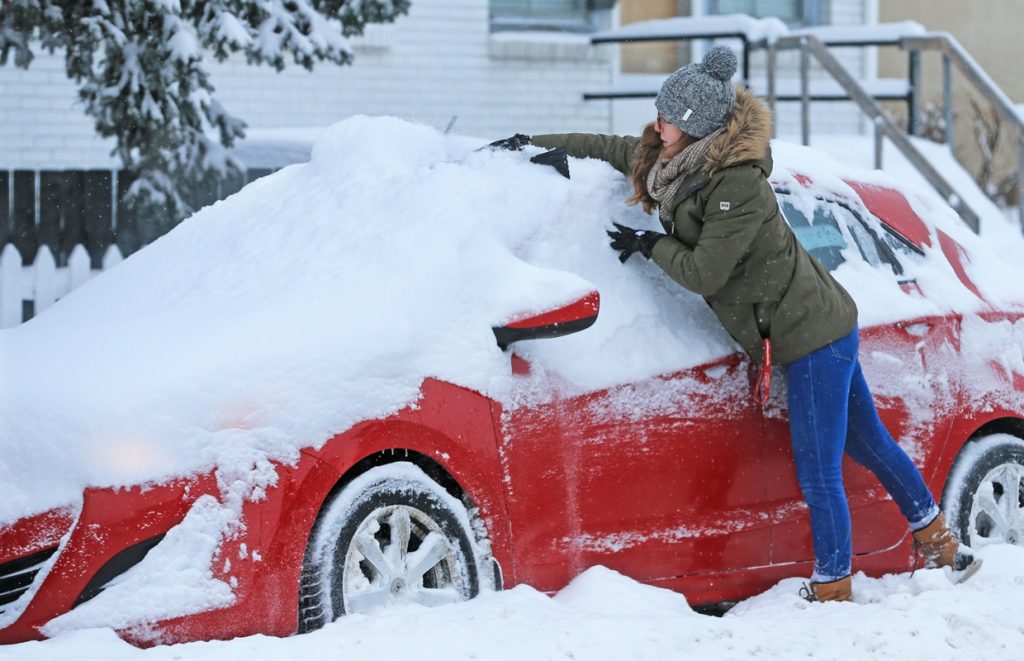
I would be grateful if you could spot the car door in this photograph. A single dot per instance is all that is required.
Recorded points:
(655, 479)
(912, 369)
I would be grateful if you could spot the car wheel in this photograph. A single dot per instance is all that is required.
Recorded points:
(391, 536)
(984, 497)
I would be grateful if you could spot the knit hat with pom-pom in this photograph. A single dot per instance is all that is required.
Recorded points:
(698, 97)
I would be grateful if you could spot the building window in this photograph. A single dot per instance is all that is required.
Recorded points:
(792, 12)
(563, 15)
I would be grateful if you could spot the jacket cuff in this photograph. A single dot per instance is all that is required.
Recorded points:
(664, 250)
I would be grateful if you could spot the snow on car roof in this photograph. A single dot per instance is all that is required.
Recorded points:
(323, 294)
(997, 280)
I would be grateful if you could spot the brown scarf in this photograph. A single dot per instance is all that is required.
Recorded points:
(666, 176)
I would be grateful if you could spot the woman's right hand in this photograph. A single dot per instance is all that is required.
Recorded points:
(513, 143)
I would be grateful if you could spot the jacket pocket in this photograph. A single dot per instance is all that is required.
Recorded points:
(763, 312)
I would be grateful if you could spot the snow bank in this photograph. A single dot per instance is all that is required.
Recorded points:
(603, 615)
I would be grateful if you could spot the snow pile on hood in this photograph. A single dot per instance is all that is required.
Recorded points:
(603, 615)
(320, 296)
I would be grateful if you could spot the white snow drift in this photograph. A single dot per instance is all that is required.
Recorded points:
(604, 616)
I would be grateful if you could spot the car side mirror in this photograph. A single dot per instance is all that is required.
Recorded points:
(570, 318)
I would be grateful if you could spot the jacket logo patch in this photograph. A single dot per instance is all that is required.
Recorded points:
(724, 206)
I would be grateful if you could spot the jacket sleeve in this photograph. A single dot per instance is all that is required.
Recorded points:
(732, 217)
(615, 150)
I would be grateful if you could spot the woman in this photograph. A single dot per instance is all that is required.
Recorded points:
(704, 165)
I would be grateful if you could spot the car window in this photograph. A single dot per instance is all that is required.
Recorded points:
(819, 234)
(822, 236)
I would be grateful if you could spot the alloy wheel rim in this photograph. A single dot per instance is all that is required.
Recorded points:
(400, 555)
(997, 512)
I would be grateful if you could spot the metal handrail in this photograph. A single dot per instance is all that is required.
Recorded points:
(953, 51)
(811, 45)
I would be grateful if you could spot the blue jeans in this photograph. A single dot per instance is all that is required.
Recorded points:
(831, 411)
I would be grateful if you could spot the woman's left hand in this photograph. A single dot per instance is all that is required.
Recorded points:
(628, 240)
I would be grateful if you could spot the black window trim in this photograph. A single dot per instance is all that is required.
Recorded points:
(888, 256)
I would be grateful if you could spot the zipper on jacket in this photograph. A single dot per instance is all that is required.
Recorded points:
(687, 192)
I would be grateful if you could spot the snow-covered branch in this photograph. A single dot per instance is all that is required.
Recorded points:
(143, 77)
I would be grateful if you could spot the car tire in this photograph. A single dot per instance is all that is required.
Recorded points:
(984, 496)
(391, 536)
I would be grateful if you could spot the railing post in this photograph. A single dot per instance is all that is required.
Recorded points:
(770, 70)
(947, 97)
(746, 61)
(879, 125)
(914, 74)
(805, 93)
(1020, 184)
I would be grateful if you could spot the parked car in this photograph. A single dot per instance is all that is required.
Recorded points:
(677, 479)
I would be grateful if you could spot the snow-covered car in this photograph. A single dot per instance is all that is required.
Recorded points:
(294, 406)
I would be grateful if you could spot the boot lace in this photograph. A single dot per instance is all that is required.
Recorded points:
(918, 555)
(807, 593)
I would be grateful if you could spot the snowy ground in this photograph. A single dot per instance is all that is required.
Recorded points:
(603, 615)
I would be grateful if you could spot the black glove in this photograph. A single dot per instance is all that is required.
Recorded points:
(515, 143)
(628, 241)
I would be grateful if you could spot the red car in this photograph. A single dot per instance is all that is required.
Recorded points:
(693, 491)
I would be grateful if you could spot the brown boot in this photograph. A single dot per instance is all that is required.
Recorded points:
(941, 548)
(841, 590)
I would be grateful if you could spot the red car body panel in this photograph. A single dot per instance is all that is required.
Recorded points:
(110, 521)
(584, 308)
(699, 495)
(677, 494)
(35, 533)
(892, 206)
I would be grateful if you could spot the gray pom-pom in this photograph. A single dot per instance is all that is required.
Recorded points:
(720, 62)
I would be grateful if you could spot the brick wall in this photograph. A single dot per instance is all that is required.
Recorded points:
(438, 62)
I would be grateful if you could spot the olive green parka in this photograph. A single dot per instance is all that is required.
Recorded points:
(729, 242)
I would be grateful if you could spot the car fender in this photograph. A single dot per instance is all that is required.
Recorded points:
(993, 419)
(452, 427)
(111, 520)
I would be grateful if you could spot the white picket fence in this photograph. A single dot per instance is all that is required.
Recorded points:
(43, 282)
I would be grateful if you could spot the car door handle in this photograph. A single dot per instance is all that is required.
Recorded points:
(918, 330)
(716, 372)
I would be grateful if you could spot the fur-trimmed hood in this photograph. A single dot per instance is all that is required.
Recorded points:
(748, 129)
